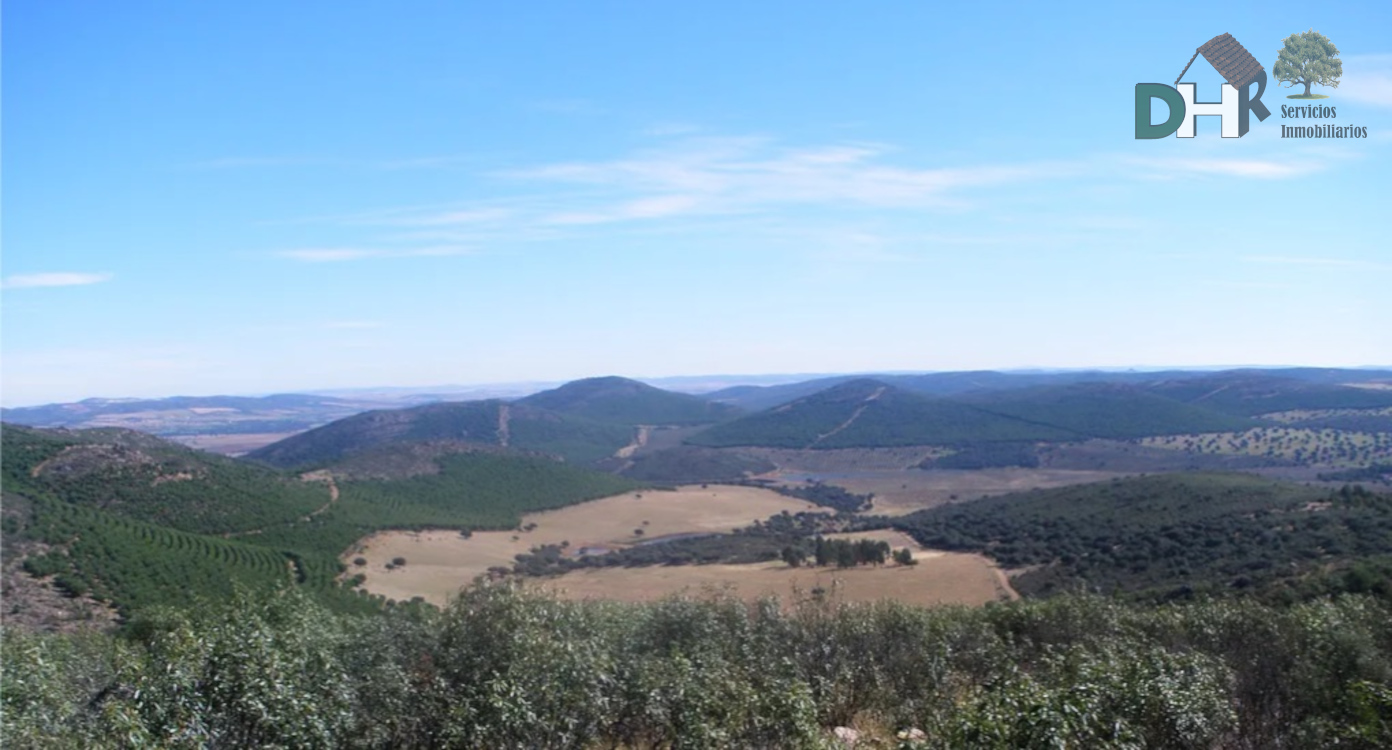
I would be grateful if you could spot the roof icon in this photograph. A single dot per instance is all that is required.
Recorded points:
(1232, 61)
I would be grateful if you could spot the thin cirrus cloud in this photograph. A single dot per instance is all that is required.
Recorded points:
(745, 174)
(52, 279)
(1260, 169)
(702, 177)
(343, 254)
(1367, 79)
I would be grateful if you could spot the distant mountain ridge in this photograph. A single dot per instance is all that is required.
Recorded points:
(583, 422)
(194, 415)
(871, 413)
(755, 397)
(625, 401)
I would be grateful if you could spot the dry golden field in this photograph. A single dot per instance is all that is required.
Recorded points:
(439, 563)
(938, 578)
(900, 492)
(231, 445)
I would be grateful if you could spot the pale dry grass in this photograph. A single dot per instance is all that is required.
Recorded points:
(231, 445)
(438, 563)
(938, 578)
(898, 493)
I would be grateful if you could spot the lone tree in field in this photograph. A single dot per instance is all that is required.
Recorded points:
(1308, 58)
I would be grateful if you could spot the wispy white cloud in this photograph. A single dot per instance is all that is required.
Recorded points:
(59, 278)
(341, 254)
(1260, 169)
(1367, 79)
(735, 175)
(448, 218)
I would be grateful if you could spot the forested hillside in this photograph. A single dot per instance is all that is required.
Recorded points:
(868, 413)
(629, 402)
(497, 423)
(135, 521)
(1167, 534)
(138, 476)
(1107, 410)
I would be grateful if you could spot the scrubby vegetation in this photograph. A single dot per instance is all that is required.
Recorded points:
(688, 464)
(1164, 535)
(1379, 473)
(1326, 447)
(501, 667)
(972, 456)
(827, 495)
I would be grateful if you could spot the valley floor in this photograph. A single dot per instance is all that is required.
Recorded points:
(441, 562)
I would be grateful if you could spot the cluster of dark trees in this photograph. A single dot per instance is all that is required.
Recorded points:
(843, 553)
(820, 493)
(503, 666)
(1378, 473)
(759, 542)
(986, 456)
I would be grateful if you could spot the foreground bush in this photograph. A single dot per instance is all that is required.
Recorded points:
(503, 667)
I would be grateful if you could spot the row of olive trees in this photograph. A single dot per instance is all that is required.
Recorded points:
(502, 668)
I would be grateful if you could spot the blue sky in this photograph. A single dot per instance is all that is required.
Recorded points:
(254, 197)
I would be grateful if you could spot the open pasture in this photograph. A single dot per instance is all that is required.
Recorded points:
(938, 578)
(439, 562)
(900, 492)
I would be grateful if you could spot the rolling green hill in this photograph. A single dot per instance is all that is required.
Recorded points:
(469, 491)
(137, 521)
(1250, 393)
(1107, 410)
(492, 422)
(138, 476)
(869, 413)
(629, 402)
(1164, 533)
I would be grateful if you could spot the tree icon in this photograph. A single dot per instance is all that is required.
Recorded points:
(1308, 58)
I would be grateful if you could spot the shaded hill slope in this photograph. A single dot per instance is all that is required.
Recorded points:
(145, 478)
(870, 413)
(629, 402)
(1251, 393)
(492, 422)
(1107, 410)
